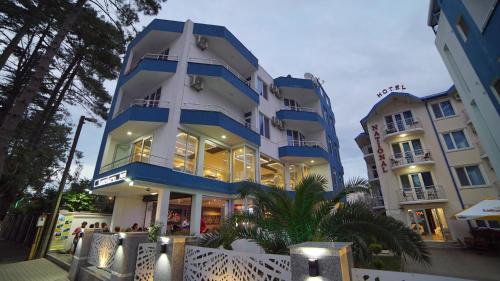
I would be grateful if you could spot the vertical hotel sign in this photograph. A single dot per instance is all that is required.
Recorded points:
(380, 150)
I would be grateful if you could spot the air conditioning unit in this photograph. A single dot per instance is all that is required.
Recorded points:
(196, 82)
(457, 97)
(201, 42)
(278, 94)
(275, 121)
(274, 89)
(281, 125)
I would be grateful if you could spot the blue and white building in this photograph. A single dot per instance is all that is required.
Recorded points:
(468, 39)
(193, 115)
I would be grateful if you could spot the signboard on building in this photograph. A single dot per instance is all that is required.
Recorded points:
(111, 179)
(379, 149)
(388, 90)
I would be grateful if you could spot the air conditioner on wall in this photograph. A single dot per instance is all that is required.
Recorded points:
(201, 42)
(281, 125)
(196, 82)
(275, 121)
(457, 97)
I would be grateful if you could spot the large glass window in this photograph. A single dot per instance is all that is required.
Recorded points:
(295, 138)
(297, 173)
(399, 122)
(121, 156)
(443, 109)
(243, 164)
(470, 176)
(271, 172)
(216, 162)
(142, 150)
(186, 148)
(264, 126)
(455, 140)
(292, 104)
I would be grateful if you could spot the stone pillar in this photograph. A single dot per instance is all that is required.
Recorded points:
(82, 252)
(196, 207)
(162, 208)
(332, 260)
(169, 265)
(201, 156)
(123, 267)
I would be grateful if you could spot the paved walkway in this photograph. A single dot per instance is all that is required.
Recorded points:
(12, 252)
(460, 263)
(34, 270)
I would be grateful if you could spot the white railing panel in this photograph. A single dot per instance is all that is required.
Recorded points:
(102, 250)
(145, 262)
(362, 274)
(220, 265)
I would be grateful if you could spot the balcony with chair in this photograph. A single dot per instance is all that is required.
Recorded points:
(411, 159)
(403, 128)
(423, 195)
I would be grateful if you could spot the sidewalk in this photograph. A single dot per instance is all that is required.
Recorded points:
(34, 270)
(12, 252)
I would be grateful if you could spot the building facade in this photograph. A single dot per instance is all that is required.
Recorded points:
(468, 42)
(426, 163)
(193, 116)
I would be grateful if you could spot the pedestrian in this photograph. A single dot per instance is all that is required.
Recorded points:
(104, 227)
(96, 225)
(76, 233)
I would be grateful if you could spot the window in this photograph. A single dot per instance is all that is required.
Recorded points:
(480, 11)
(443, 109)
(463, 28)
(399, 122)
(496, 87)
(487, 224)
(243, 164)
(153, 99)
(264, 126)
(272, 172)
(186, 151)
(470, 176)
(248, 119)
(455, 140)
(292, 104)
(407, 149)
(216, 162)
(295, 138)
(297, 173)
(142, 150)
(262, 88)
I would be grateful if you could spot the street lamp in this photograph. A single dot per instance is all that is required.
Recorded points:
(62, 183)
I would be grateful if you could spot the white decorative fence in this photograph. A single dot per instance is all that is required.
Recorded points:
(361, 274)
(145, 262)
(102, 250)
(207, 264)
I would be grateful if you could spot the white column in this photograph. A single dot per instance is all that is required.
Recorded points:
(287, 177)
(201, 156)
(162, 208)
(196, 206)
(228, 208)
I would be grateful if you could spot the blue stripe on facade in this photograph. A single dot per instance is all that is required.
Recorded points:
(159, 25)
(222, 32)
(137, 113)
(304, 116)
(213, 118)
(220, 71)
(482, 49)
(149, 65)
(303, 151)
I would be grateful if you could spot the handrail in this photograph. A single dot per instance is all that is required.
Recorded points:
(431, 192)
(223, 173)
(218, 108)
(304, 144)
(298, 108)
(402, 125)
(223, 64)
(143, 103)
(417, 156)
(150, 159)
(154, 57)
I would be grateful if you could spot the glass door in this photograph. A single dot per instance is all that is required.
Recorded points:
(419, 224)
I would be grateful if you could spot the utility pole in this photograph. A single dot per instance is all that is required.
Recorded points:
(62, 183)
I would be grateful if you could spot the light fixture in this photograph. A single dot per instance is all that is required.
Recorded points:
(129, 133)
(163, 248)
(120, 241)
(131, 183)
(248, 167)
(313, 267)
(312, 161)
(128, 179)
(110, 198)
(223, 137)
(403, 135)
(413, 167)
(154, 193)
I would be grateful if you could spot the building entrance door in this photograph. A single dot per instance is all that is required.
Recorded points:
(429, 223)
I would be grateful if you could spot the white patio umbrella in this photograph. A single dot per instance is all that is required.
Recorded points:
(484, 210)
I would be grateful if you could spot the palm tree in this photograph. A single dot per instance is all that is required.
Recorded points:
(279, 219)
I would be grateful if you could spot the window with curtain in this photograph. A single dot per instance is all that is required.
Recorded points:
(455, 140)
(470, 175)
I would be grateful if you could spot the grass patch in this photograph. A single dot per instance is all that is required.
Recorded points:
(390, 263)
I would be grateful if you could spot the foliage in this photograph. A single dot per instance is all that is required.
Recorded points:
(375, 248)
(154, 231)
(279, 220)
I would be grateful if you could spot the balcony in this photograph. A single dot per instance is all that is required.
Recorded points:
(220, 78)
(372, 175)
(377, 202)
(403, 128)
(218, 123)
(411, 158)
(139, 116)
(148, 159)
(422, 195)
(303, 119)
(296, 151)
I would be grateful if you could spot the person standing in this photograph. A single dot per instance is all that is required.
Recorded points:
(76, 233)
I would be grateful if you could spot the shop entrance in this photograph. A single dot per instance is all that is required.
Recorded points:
(429, 223)
(213, 211)
(179, 213)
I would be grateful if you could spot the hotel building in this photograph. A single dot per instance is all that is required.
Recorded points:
(467, 37)
(426, 163)
(194, 115)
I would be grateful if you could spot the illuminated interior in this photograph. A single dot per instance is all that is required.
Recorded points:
(297, 173)
(142, 150)
(272, 173)
(430, 224)
(186, 151)
(243, 164)
(216, 162)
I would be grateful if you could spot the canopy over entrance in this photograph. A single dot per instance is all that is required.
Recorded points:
(484, 210)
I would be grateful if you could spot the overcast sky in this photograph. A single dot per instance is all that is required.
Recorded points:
(357, 47)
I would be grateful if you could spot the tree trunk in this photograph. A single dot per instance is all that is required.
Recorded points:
(15, 115)
(9, 49)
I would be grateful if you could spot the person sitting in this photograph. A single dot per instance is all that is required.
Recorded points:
(134, 228)
(117, 229)
(96, 225)
(104, 227)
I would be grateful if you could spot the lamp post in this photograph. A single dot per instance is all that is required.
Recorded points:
(62, 183)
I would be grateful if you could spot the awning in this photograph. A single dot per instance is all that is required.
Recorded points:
(484, 210)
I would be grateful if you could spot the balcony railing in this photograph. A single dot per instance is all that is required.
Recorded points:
(372, 174)
(424, 193)
(377, 201)
(225, 65)
(367, 149)
(409, 158)
(143, 103)
(153, 57)
(218, 108)
(298, 108)
(149, 159)
(402, 126)
(304, 144)
(216, 173)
